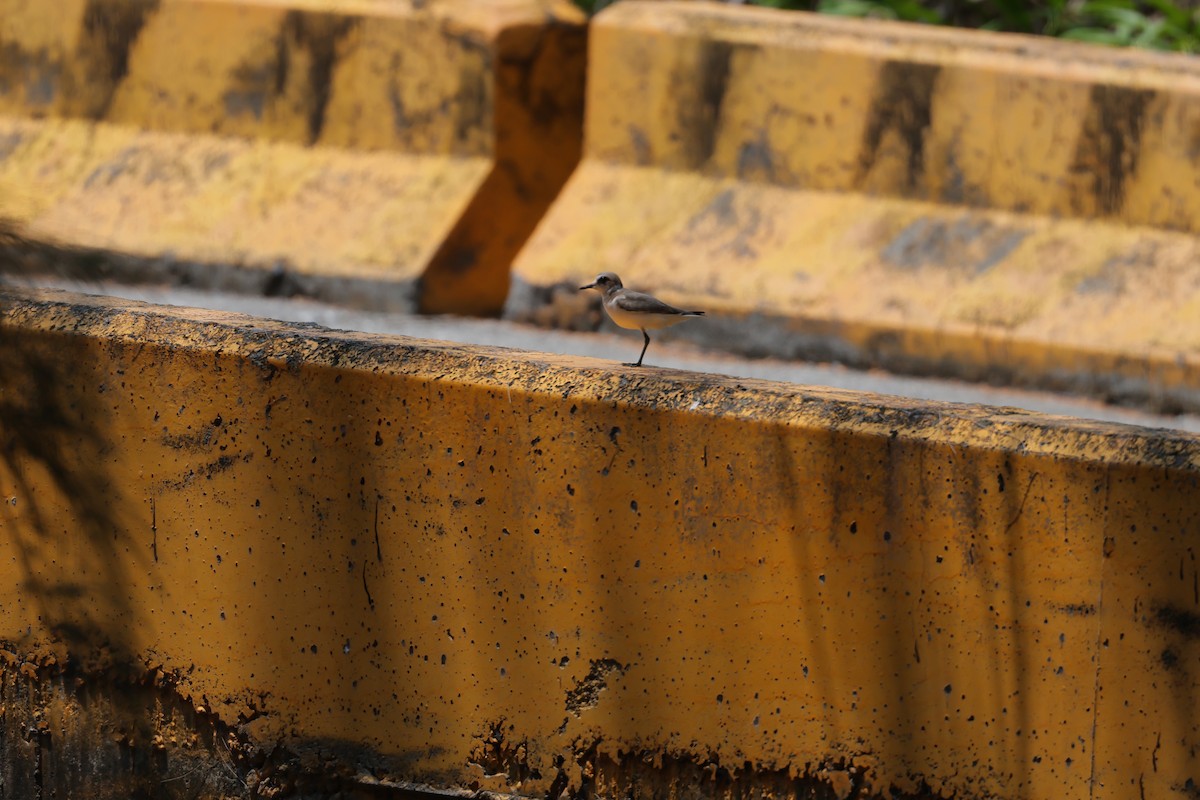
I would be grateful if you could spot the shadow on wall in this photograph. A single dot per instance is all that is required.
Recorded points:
(60, 504)
(60, 517)
(85, 715)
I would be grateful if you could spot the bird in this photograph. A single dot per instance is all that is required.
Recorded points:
(636, 311)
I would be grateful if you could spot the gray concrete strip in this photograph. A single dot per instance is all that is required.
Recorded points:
(619, 347)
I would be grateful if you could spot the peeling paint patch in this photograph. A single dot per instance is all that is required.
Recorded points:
(498, 755)
(586, 693)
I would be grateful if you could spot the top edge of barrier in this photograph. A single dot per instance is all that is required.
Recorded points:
(906, 41)
(499, 10)
(277, 344)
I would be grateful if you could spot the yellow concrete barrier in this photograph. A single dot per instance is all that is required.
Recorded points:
(473, 567)
(928, 200)
(410, 147)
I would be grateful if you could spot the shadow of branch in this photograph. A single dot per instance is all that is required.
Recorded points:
(62, 517)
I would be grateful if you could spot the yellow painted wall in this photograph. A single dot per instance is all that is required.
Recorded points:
(1022, 207)
(342, 141)
(1000, 121)
(505, 569)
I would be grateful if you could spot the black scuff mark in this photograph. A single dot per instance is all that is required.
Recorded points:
(1109, 147)
(720, 225)
(699, 115)
(321, 36)
(643, 155)
(1181, 621)
(756, 159)
(1077, 609)
(472, 105)
(109, 31)
(206, 471)
(903, 105)
(1189, 789)
(303, 37)
(200, 440)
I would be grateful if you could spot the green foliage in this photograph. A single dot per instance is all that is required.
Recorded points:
(592, 6)
(1157, 24)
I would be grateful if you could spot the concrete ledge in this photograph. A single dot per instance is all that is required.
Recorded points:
(918, 187)
(357, 144)
(477, 568)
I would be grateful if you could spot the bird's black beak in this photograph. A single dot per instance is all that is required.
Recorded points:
(589, 286)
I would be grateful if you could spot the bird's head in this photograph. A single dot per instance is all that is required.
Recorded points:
(605, 282)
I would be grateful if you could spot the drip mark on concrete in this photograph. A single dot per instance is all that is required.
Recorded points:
(366, 588)
(1109, 146)
(903, 105)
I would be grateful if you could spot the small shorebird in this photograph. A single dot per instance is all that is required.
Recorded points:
(636, 311)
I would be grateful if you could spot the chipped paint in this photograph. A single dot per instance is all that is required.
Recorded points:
(487, 569)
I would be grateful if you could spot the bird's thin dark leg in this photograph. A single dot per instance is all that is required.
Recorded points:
(643, 355)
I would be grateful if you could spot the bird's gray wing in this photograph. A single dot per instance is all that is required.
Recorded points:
(642, 303)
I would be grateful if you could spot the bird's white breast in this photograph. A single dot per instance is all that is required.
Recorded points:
(641, 320)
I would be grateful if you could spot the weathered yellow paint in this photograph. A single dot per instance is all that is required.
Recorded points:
(1149, 634)
(539, 108)
(516, 571)
(993, 120)
(359, 141)
(914, 286)
(1038, 196)
(317, 211)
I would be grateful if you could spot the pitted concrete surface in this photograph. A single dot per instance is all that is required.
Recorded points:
(620, 346)
(476, 567)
